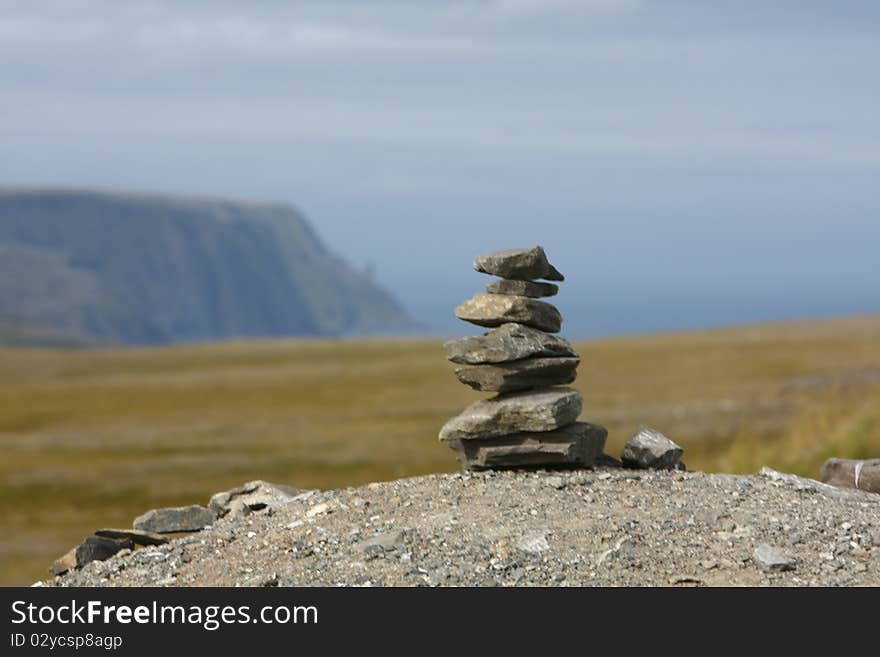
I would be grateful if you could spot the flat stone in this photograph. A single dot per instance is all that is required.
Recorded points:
(175, 519)
(518, 264)
(651, 449)
(522, 288)
(62, 564)
(576, 445)
(507, 343)
(496, 309)
(252, 496)
(519, 374)
(850, 473)
(98, 548)
(516, 412)
(136, 536)
(534, 542)
(386, 542)
(769, 560)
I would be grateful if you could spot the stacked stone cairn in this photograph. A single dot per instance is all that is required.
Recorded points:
(532, 421)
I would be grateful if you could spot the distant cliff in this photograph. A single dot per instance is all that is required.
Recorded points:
(86, 267)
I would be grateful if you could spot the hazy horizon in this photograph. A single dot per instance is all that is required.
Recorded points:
(685, 165)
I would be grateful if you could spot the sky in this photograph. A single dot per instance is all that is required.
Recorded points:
(685, 164)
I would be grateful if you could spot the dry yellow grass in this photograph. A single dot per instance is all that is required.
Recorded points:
(93, 438)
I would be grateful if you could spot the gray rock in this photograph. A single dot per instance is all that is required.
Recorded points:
(534, 542)
(522, 288)
(519, 374)
(386, 542)
(136, 536)
(515, 412)
(576, 445)
(98, 548)
(496, 309)
(221, 503)
(849, 473)
(769, 560)
(518, 264)
(623, 550)
(175, 519)
(252, 496)
(507, 343)
(802, 484)
(651, 449)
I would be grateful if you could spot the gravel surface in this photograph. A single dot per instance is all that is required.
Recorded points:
(606, 527)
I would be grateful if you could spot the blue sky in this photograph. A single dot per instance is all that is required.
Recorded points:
(684, 163)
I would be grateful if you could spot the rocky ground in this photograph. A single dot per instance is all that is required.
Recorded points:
(606, 527)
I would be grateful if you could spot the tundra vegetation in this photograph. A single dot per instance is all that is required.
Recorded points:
(94, 437)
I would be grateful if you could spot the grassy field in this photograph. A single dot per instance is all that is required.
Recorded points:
(92, 438)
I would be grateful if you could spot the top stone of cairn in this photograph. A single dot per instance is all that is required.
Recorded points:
(518, 265)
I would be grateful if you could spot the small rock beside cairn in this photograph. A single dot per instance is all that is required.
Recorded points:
(155, 526)
(851, 473)
(532, 421)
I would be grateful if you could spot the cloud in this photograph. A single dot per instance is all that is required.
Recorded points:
(636, 78)
(531, 7)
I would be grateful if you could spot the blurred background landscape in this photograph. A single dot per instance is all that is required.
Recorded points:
(93, 438)
(232, 235)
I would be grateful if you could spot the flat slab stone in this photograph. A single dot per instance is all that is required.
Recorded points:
(516, 412)
(849, 473)
(496, 309)
(651, 449)
(519, 374)
(522, 288)
(252, 496)
(576, 445)
(175, 519)
(136, 536)
(98, 548)
(518, 264)
(506, 343)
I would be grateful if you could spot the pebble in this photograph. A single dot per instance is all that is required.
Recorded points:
(770, 560)
(317, 510)
(534, 543)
